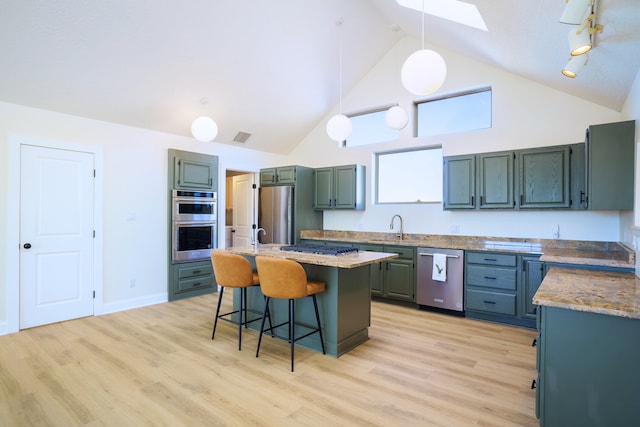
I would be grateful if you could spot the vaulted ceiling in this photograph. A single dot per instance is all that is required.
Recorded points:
(271, 68)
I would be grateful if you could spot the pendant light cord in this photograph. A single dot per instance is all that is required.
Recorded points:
(422, 24)
(339, 23)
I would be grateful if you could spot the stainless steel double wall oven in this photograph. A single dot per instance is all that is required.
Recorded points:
(194, 231)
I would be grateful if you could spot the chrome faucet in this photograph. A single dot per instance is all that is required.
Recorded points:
(391, 225)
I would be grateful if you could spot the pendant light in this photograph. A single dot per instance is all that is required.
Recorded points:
(339, 127)
(396, 117)
(423, 71)
(204, 128)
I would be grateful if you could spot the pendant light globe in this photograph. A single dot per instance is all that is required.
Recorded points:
(396, 118)
(204, 129)
(423, 72)
(339, 127)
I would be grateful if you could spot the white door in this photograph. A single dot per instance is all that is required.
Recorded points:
(243, 209)
(56, 235)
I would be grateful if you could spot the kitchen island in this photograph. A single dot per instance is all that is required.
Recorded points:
(345, 306)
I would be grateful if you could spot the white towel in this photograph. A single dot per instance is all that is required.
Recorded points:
(439, 267)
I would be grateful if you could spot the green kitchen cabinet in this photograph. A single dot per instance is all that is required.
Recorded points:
(191, 279)
(284, 175)
(459, 182)
(495, 180)
(339, 187)
(532, 270)
(544, 177)
(193, 171)
(587, 369)
(495, 287)
(395, 278)
(609, 166)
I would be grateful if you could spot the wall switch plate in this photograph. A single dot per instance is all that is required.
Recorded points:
(556, 232)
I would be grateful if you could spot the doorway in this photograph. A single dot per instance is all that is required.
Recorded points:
(240, 208)
(55, 262)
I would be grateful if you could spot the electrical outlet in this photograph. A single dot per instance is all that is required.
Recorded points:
(455, 229)
(132, 283)
(556, 232)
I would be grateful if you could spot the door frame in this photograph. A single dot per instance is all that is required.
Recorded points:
(13, 217)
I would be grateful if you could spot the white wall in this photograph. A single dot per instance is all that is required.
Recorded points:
(135, 181)
(525, 114)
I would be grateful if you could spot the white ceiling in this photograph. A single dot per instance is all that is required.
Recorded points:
(271, 68)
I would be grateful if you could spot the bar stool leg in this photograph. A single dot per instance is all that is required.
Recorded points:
(315, 305)
(243, 295)
(215, 322)
(264, 315)
(292, 329)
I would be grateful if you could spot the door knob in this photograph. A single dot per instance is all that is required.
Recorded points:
(27, 246)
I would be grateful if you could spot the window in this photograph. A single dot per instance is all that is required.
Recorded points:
(455, 113)
(409, 176)
(370, 128)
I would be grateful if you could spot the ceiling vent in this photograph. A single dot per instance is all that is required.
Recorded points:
(242, 137)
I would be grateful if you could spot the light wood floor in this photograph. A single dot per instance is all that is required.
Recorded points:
(157, 366)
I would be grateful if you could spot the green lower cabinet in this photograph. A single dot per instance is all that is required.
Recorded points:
(396, 278)
(499, 287)
(191, 279)
(588, 369)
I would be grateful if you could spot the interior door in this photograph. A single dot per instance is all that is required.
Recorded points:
(243, 209)
(56, 235)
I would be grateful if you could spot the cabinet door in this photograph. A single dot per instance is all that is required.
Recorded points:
(399, 279)
(345, 187)
(610, 166)
(267, 177)
(195, 174)
(532, 275)
(495, 180)
(459, 182)
(544, 177)
(286, 175)
(323, 188)
(376, 276)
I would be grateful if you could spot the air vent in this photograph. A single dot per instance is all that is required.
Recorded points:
(242, 137)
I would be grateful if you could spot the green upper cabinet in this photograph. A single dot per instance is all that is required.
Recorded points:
(609, 150)
(285, 175)
(544, 177)
(339, 187)
(495, 180)
(459, 182)
(194, 171)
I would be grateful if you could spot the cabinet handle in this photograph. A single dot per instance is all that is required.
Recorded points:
(196, 272)
(489, 302)
(491, 259)
(490, 278)
(473, 198)
(535, 342)
(534, 385)
(196, 284)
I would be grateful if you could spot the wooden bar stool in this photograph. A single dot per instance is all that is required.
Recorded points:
(233, 271)
(286, 279)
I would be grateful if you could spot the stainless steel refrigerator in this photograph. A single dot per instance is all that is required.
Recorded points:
(276, 215)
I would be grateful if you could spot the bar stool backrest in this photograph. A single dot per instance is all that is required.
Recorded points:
(231, 270)
(281, 278)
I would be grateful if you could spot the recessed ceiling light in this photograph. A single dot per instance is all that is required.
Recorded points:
(453, 10)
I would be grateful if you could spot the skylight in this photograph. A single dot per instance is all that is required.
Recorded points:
(453, 10)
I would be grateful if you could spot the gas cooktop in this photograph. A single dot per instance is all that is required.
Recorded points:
(319, 249)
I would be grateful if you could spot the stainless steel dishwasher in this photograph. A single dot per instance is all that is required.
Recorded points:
(446, 293)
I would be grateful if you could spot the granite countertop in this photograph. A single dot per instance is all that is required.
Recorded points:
(605, 254)
(350, 260)
(603, 292)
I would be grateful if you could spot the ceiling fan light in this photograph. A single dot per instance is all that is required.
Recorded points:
(204, 129)
(574, 66)
(396, 118)
(579, 41)
(575, 11)
(339, 127)
(423, 72)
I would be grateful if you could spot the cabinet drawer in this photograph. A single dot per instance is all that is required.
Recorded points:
(493, 302)
(491, 277)
(491, 259)
(195, 283)
(201, 270)
(402, 251)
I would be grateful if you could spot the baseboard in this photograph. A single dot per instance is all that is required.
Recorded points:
(113, 307)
